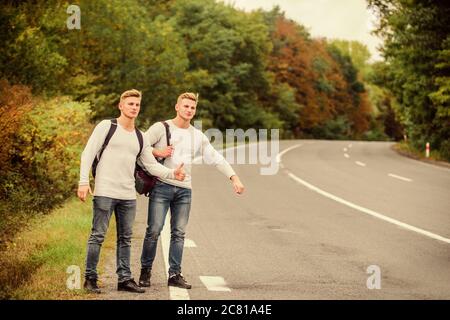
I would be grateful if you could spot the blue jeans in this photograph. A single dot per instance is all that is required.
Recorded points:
(125, 212)
(163, 197)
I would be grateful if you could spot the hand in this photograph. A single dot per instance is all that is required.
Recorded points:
(179, 172)
(164, 153)
(83, 192)
(237, 184)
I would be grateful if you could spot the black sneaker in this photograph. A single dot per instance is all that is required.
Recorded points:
(144, 279)
(177, 280)
(130, 286)
(91, 286)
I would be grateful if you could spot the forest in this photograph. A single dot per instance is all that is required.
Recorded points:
(254, 69)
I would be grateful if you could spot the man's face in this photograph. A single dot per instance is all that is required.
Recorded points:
(186, 109)
(130, 107)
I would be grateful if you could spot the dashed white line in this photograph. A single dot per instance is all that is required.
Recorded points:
(350, 145)
(399, 177)
(362, 164)
(367, 211)
(215, 283)
(285, 230)
(345, 149)
(346, 155)
(174, 292)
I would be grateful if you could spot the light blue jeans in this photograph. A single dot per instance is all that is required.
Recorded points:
(125, 212)
(163, 197)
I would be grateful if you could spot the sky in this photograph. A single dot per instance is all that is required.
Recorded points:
(341, 19)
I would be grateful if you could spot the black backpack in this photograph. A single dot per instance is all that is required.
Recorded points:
(144, 181)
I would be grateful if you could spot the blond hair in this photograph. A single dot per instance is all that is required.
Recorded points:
(188, 95)
(130, 93)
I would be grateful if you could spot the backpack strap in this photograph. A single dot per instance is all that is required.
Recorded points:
(141, 138)
(168, 136)
(141, 141)
(111, 131)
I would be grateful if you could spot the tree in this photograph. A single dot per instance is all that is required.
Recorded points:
(415, 35)
(324, 79)
(358, 52)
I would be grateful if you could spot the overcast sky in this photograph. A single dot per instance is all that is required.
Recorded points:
(342, 19)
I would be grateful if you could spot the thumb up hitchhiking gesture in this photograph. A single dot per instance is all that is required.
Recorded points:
(179, 172)
(83, 192)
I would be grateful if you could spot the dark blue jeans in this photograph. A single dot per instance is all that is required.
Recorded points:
(125, 212)
(163, 197)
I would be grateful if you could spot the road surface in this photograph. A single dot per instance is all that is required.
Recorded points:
(335, 212)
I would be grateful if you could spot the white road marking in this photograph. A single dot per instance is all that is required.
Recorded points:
(368, 211)
(285, 231)
(365, 210)
(345, 149)
(360, 163)
(399, 177)
(350, 145)
(346, 155)
(286, 150)
(215, 283)
(174, 292)
(188, 243)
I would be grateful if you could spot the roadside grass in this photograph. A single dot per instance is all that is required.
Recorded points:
(406, 149)
(35, 263)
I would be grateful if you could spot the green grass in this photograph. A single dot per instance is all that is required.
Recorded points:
(408, 150)
(35, 263)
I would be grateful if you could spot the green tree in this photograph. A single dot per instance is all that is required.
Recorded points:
(358, 52)
(231, 48)
(31, 34)
(416, 37)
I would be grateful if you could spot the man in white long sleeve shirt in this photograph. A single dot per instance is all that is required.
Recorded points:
(186, 143)
(115, 187)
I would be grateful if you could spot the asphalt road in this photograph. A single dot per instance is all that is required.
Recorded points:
(333, 210)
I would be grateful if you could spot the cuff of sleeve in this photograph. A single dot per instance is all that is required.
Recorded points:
(172, 175)
(230, 173)
(83, 183)
(226, 169)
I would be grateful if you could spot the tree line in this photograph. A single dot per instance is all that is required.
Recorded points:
(254, 69)
(416, 70)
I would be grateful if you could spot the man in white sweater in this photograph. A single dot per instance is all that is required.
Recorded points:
(186, 143)
(115, 187)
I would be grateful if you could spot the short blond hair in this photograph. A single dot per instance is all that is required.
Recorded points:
(188, 95)
(130, 93)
